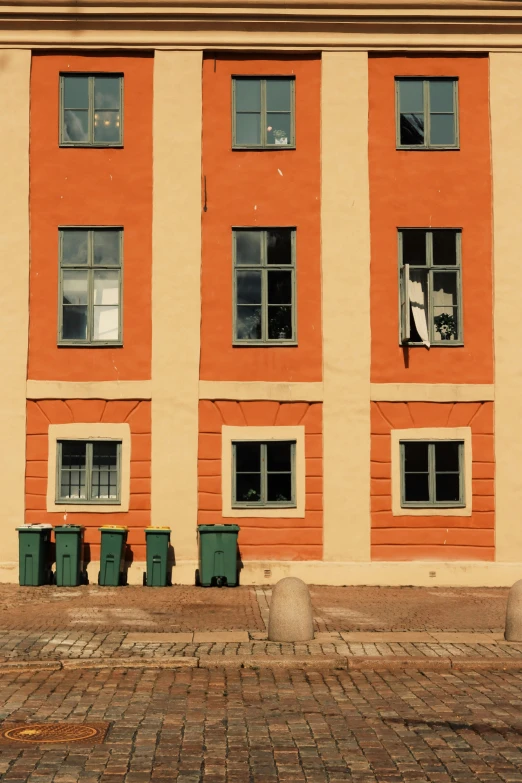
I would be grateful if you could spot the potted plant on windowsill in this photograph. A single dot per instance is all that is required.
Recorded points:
(446, 326)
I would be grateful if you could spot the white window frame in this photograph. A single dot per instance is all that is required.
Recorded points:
(462, 434)
(89, 432)
(230, 435)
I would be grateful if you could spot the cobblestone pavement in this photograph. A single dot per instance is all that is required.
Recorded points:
(247, 726)
(186, 608)
(84, 645)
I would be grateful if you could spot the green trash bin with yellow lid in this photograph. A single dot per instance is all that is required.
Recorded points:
(218, 555)
(157, 540)
(112, 556)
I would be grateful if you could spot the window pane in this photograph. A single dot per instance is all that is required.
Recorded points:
(74, 247)
(414, 247)
(278, 95)
(248, 457)
(411, 96)
(106, 305)
(104, 473)
(248, 322)
(248, 247)
(279, 287)
(73, 454)
(447, 456)
(104, 454)
(444, 299)
(415, 457)
(445, 247)
(74, 322)
(76, 92)
(248, 487)
(412, 129)
(107, 92)
(280, 323)
(76, 125)
(74, 287)
(416, 487)
(106, 247)
(441, 96)
(279, 456)
(447, 487)
(72, 472)
(248, 287)
(278, 129)
(248, 129)
(279, 246)
(279, 487)
(106, 287)
(248, 95)
(442, 129)
(107, 126)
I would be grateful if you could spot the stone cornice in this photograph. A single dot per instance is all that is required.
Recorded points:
(443, 25)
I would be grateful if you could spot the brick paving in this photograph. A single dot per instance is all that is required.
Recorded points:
(266, 726)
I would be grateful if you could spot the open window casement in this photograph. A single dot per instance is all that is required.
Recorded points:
(414, 295)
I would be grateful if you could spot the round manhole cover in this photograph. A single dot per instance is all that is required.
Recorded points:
(38, 733)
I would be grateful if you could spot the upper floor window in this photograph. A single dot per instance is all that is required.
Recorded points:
(90, 286)
(264, 473)
(430, 287)
(264, 285)
(88, 471)
(432, 473)
(263, 113)
(427, 116)
(91, 110)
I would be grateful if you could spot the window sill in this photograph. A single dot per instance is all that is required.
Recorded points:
(271, 148)
(438, 507)
(268, 507)
(90, 345)
(438, 344)
(259, 344)
(84, 502)
(419, 148)
(66, 145)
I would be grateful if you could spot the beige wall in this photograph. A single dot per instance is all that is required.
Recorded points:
(506, 122)
(345, 234)
(176, 295)
(15, 67)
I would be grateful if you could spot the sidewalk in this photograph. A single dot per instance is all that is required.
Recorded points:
(355, 628)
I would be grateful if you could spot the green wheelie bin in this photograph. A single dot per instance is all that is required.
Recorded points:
(218, 555)
(69, 555)
(158, 540)
(34, 544)
(112, 557)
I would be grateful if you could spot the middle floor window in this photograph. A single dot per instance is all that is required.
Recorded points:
(90, 286)
(263, 474)
(430, 286)
(264, 285)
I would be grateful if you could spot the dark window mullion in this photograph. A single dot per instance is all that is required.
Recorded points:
(264, 286)
(431, 471)
(426, 105)
(292, 473)
(263, 113)
(90, 111)
(88, 471)
(264, 492)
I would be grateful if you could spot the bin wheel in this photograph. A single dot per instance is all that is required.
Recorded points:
(99, 575)
(219, 581)
(144, 579)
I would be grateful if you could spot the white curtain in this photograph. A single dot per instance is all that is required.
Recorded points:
(417, 293)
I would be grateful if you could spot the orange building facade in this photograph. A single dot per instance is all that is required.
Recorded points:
(270, 285)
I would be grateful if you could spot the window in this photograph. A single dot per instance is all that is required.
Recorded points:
(427, 113)
(264, 285)
(90, 286)
(432, 473)
(263, 473)
(430, 290)
(88, 471)
(263, 113)
(91, 110)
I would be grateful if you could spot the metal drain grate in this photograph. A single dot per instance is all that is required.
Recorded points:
(47, 733)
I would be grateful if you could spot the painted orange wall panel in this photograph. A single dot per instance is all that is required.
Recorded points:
(263, 538)
(260, 188)
(138, 415)
(91, 187)
(437, 189)
(433, 537)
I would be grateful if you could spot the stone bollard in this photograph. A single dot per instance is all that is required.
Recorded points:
(513, 632)
(290, 618)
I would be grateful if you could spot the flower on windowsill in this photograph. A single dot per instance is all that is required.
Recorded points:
(445, 325)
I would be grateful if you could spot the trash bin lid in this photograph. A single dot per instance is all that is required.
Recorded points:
(68, 528)
(113, 527)
(218, 528)
(157, 529)
(25, 528)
